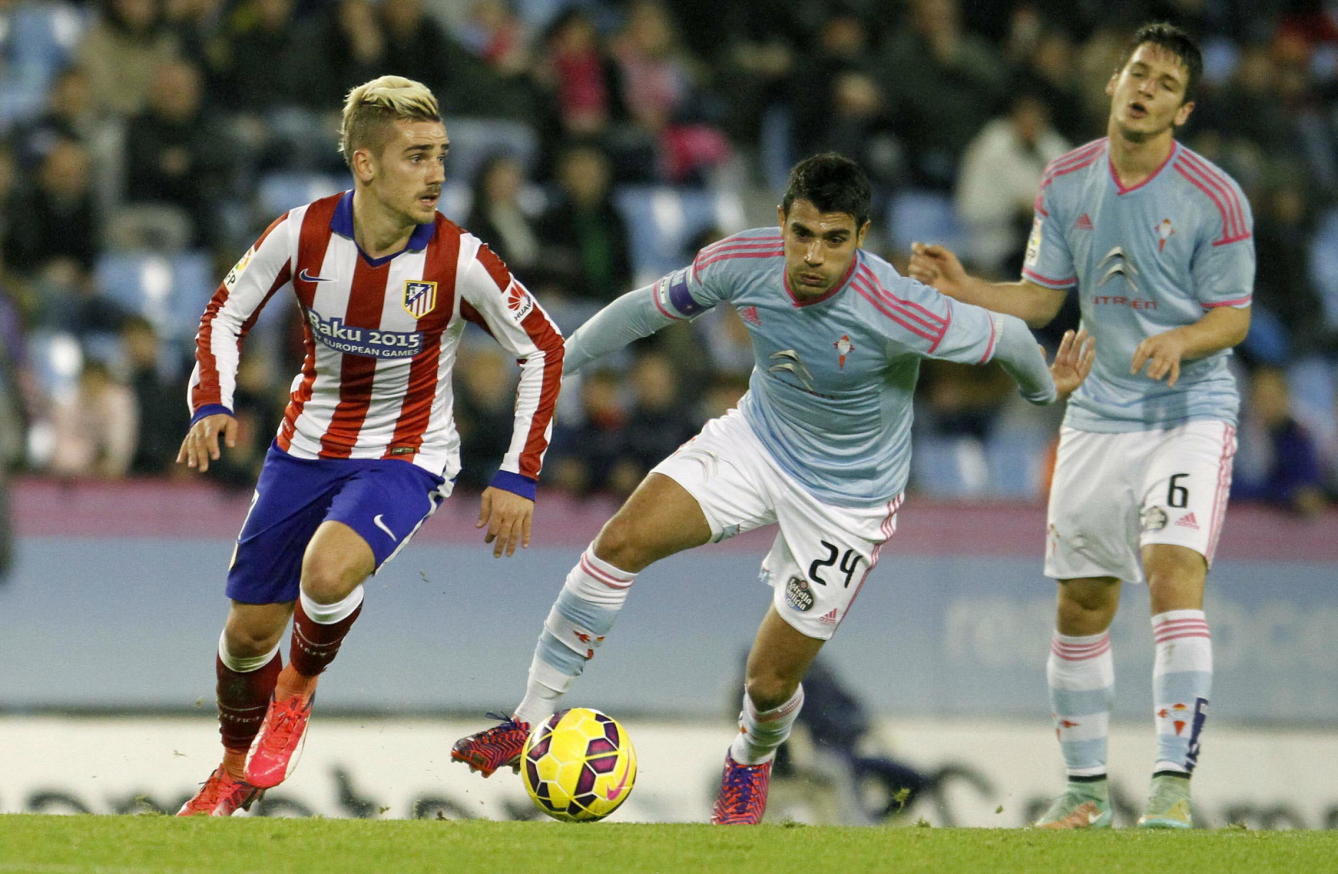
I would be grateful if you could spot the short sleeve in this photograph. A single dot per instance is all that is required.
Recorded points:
(1224, 262)
(1048, 260)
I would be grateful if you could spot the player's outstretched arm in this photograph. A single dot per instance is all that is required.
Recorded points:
(1073, 361)
(202, 440)
(939, 267)
(630, 317)
(508, 518)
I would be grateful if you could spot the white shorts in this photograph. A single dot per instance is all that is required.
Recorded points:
(1113, 494)
(822, 554)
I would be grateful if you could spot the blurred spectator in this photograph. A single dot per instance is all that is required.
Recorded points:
(498, 217)
(586, 456)
(122, 49)
(1285, 296)
(198, 26)
(70, 115)
(258, 404)
(839, 105)
(583, 230)
(997, 183)
(94, 430)
(944, 84)
(1048, 69)
(339, 48)
(158, 399)
(485, 399)
(501, 41)
(660, 421)
(1280, 459)
(663, 91)
(176, 154)
(577, 74)
(60, 220)
(259, 45)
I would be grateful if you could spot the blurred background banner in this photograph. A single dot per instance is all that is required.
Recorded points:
(116, 597)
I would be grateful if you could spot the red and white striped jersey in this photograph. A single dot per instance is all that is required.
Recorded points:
(381, 336)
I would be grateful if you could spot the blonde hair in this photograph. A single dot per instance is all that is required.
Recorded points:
(371, 107)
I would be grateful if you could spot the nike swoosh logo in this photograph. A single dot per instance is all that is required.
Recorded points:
(377, 521)
(614, 791)
(307, 277)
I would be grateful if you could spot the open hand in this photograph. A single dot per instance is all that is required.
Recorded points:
(1073, 361)
(508, 517)
(936, 265)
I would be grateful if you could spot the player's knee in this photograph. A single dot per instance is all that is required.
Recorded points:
(769, 690)
(328, 581)
(246, 640)
(620, 545)
(1086, 612)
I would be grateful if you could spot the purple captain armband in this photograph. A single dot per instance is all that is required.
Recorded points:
(514, 483)
(681, 298)
(210, 410)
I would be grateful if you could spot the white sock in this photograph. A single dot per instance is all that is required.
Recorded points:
(1081, 674)
(581, 617)
(761, 733)
(1182, 680)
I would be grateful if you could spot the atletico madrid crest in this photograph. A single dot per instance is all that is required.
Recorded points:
(420, 296)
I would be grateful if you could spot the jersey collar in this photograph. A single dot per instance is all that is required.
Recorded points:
(1115, 177)
(342, 224)
(835, 289)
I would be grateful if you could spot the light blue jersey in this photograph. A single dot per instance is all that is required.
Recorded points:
(830, 393)
(1145, 260)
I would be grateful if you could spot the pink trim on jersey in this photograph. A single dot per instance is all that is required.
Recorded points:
(888, 528)
(421, 391)
(208, 390)
(1221, 193)
(357, 373)
(765, 247)
(1046, 280)
(1223, 488)
(1077, 652)
(994, 336)
(1072, 161)
(602, 576)
(1120, 187)
(313, 240)
(910, 315)
(1228, 303)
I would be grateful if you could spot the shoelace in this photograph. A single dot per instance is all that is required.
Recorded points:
(739, 787)
(285, 723)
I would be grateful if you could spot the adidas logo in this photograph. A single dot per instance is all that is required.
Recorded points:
(1188, 521)
(828, 618)
(1084, 223)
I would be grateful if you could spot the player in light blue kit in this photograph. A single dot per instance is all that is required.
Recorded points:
(1158, 242)
(819, 446)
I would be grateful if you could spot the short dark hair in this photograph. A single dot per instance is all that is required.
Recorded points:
(832, 183)
(1174, 40)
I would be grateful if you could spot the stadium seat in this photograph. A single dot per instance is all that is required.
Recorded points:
(925, 216)
(474, 140)
(280, 191)
(39, 41)
(169, 290)
(662, 221)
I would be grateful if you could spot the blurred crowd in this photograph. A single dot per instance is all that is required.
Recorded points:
(145, 143)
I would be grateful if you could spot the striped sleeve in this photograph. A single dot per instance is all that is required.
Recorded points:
(514, 318)
(1224, 263)
(254, 279)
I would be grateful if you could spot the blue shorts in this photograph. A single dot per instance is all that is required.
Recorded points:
(385, 501)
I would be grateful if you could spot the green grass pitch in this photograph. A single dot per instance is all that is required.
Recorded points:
(153, 844)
